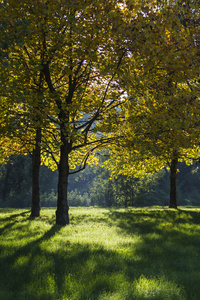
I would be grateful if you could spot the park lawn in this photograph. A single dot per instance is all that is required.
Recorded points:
(133, 253)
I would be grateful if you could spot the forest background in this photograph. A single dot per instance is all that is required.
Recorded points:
(93, 186)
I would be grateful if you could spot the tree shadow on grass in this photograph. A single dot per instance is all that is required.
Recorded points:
(16, 269)
(169, 245)
(11, 220)
(142, 221)
(13, 216)
(84, 272)
(177, 227)
(155, 267)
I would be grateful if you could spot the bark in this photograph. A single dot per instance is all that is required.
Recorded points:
(62, 216)
(36, 160)
(173, 182)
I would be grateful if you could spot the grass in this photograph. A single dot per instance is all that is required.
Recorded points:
(120, 254)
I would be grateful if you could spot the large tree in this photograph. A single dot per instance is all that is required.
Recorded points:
(70, 55)
(161, 123)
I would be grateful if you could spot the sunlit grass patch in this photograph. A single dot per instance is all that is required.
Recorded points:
(151, 288)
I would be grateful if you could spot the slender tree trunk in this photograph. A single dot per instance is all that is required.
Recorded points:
(62, 216)
(173, 182)
(6, 181)
(36, 160)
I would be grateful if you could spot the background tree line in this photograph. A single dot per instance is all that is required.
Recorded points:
(92, 187)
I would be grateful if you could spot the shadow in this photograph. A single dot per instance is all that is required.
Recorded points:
(162, 252)
(11, 220)
(13, 216)
(22, 272)
(169, 239)
(142, 221)
(81, 272)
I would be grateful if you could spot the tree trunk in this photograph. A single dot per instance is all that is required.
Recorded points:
(62, 217)
(6, 188)
(173, 182)
(36, 160)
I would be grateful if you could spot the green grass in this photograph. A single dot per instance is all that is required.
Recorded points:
(122, 254)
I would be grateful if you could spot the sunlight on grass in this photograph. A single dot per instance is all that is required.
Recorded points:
(148, 253)
(156, 288)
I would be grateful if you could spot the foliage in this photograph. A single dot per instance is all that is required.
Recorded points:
(95, 73)
(161, 78)
(104, 254)
(64, 61)
(67, 57)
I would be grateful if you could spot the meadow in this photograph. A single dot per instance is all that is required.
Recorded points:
(119, 254)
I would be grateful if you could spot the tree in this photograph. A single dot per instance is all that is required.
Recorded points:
(23, 111)
(161, 125)
(76, 49)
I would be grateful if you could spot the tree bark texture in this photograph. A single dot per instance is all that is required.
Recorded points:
(36, 160)
(173, 182)
(62, 216)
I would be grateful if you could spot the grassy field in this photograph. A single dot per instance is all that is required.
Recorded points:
(122, 254)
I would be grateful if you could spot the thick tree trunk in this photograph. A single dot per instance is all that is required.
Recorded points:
(36, 160)
(173, 182)
(62, 217)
